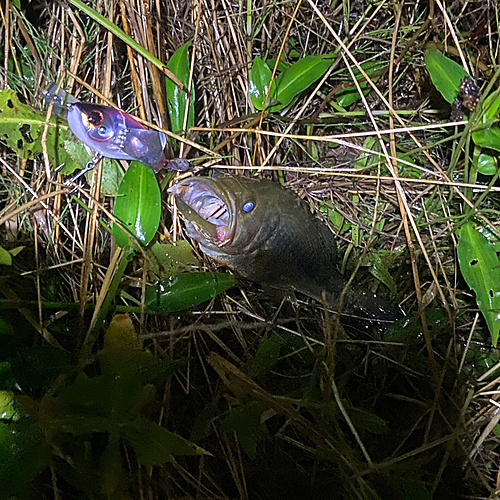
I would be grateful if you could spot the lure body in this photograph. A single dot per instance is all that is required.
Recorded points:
(112, 132)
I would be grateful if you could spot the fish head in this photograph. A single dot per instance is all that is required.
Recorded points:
(115, 134)
(224, 214)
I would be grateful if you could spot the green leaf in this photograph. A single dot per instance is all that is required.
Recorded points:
(265, 358)
(350, 95)
(5, 257)
(297, 78)
(112, 172)
(481, 269)
(155, 445)
(177, 100)
(22, 128)
(138, 205)
(489, 135)
(9, 409)
(260, 80)
(172, 259)
(492, 236)
(185, 290)
(23, 455)
(245, 420)
(445, 74)
(487, 164)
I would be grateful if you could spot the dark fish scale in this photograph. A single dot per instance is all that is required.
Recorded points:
(279, 243)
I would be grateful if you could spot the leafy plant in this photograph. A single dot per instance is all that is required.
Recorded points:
(288, 85)
(480, 267)
(445, 73)
(448, 76)
(113, 403)
(350, 95)
(138, 206)
(178, 99)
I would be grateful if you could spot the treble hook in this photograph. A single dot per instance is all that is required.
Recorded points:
(91, 164)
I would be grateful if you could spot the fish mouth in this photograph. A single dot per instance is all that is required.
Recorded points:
(206, 209)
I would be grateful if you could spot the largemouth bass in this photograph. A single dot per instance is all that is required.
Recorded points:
(268, 234)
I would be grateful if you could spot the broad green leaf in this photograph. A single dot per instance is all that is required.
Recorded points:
(297, 78)
(480, 268)
(5, 257)
(445, 74)
(492, 236)
(489, 135)
(5, 329)
(172, 259)
(491, 107)
(405, 170)
(260, 80)
(185, 290)
(138, 205)
(155, 445)
(350, 95)
(112, 173)
(265, 358)
(282, 66)
(23, 455)
(483, 358)
(177, 99)
(487, 164)
(336, 218)
(22, 128)
(9, 409)
(122, 354)
(245, 420)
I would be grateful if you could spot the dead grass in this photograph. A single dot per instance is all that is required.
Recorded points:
(317, 443)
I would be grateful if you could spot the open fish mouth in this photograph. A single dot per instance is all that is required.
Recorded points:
(205, 210)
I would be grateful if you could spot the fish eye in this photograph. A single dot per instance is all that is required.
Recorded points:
(95, 118)
(248, 206)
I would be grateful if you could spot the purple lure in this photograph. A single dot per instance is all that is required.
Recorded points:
(111, 132)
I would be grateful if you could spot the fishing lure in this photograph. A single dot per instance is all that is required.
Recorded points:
(111, 132)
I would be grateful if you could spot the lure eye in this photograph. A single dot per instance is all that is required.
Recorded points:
(95, 118)
(102, 131)
(248, 206)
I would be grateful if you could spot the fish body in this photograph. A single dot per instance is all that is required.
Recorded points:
(268, 234)
(112, 132)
